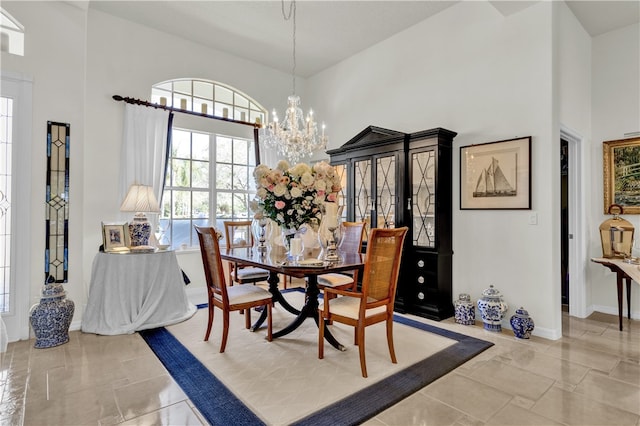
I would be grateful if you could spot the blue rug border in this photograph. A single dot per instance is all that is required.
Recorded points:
(220, 406)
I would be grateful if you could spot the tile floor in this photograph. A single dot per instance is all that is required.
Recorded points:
(590, 376)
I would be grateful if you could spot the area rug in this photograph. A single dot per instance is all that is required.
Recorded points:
(283, 382)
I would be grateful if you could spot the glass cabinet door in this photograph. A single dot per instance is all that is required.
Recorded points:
(386, 191)
(423, 197)
(362, 194)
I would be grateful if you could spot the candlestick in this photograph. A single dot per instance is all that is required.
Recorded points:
(204, 108)
(183, 103)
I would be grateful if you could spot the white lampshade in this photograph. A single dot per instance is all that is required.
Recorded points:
(140, 199)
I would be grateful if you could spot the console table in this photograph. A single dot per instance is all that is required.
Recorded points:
(135, 291)
(624, 271)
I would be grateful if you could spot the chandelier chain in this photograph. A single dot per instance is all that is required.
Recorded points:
(295, 136)
(287, 16)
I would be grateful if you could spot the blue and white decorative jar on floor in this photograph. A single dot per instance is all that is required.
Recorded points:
(51, 318)
(465, 311)
(522, 324)
(492, 309)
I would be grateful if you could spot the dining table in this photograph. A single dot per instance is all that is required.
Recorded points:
(276, 261)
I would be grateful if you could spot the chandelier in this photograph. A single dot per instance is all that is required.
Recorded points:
(297, 136)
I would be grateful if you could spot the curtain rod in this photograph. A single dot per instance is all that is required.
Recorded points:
(184, 111)
(255, 126)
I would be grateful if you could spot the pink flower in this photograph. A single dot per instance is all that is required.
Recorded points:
(279, 205)
(332, 197)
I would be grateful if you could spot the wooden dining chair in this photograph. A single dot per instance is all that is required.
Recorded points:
(374, 303)
(350, 242)
(227, 299)
(238, 235)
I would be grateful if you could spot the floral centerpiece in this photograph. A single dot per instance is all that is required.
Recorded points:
(292, 196)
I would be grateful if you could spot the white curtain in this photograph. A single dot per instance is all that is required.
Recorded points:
(144, 148)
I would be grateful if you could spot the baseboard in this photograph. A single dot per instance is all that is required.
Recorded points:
(635, 315)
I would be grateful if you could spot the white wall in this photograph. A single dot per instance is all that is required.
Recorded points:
(54, 58)
(489, 78)
(616, 111)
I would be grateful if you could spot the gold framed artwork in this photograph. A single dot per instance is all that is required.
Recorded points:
(115, 237)
(621, 172)
(496, 175)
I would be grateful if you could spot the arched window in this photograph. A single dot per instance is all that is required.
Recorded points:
(11, 34)
(208, 97)
(210, 166)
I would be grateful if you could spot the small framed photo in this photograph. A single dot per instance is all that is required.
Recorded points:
(115, 237)
(496, 175)
(621, 171)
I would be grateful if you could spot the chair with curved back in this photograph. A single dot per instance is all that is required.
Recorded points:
(236, 298)
(374, 303)
(350, 242)
(238, 235)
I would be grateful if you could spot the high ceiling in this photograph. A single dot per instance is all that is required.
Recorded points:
(328, 31)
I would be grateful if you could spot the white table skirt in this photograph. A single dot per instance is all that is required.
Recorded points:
(131, 292)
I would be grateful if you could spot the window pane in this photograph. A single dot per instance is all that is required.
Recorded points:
(183, 102)
(223, 150)
(223, 205)
(182, 86)
(240, 148)
(241, 114)
(181, 204)
(223, 176)
(200, 147)
(200, 174)
(240, 180)
(223, 110)
(181, 144)
(203, 89)
(240, 210)
(164, 86)
(180, 232)
(180, 172)
(224, 95)
(157, 94)
(200, 205)
(242, 101)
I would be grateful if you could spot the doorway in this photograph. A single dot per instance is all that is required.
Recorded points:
(572, 241)
(564, 223)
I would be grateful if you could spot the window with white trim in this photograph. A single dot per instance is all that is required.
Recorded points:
(209, 174)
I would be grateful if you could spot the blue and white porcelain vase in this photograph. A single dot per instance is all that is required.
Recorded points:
(50, 319)
(465, 311)
(492, 309)
(522, 324)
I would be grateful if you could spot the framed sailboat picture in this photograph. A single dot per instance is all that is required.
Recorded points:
(496, 175)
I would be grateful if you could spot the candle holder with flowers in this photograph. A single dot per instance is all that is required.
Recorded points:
(293, 197)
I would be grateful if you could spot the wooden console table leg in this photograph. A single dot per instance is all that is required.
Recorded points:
(628, 279)
(619, 277)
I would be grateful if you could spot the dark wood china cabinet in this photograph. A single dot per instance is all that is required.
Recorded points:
(392, 179)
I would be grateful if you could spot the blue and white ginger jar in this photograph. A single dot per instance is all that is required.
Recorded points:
(465, 311)
(522, 324)
(492, 309)
(51, 318)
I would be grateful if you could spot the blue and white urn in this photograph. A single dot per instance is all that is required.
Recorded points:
(522, 324)
(492, 309)
(51, 318)
(465, 311)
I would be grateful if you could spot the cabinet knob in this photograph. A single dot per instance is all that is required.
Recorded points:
(421, 263)
(408, 203)
(421, 295)
(421, 279)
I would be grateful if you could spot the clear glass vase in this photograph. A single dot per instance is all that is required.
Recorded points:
(261, 229)
(329, 232)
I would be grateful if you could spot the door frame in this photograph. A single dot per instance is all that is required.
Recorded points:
(577, 249)
(20, 88)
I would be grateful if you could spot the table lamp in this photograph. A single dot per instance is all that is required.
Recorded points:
(140, 199)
